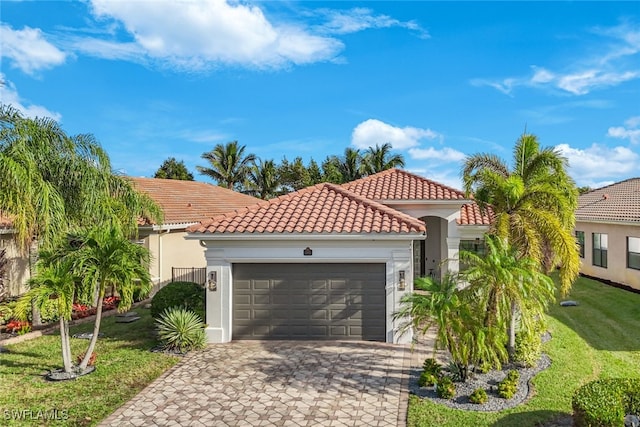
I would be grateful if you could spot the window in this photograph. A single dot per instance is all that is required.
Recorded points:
(633, 253)
(600, 245)
(580, 240)
(476, 246)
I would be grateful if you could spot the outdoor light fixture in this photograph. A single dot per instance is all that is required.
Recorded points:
(212, 283)
(401, 281)
(307, 251)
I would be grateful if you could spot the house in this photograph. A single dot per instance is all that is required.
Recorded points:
(608, 232)
(184, 203)
(18, 264)
(330, 261)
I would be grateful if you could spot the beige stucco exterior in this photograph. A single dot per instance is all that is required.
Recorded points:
(617, 234)
(169, 248)
(17, 267)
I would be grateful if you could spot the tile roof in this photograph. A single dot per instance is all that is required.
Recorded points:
(616, 202)
(321, 209)
(396, 184)
(470, 214)
(191, 201)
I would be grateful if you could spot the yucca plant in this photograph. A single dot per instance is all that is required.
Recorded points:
(181, 330)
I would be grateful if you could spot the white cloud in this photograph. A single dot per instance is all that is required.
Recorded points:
(581, 76)
(359, 19)
(599, 163)
(371, 132)
(630, 131)
(28, 50)
(445, 154)
(9, 96)
(196, 34)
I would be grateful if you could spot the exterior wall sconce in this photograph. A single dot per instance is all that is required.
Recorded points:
(401, 280)
(212, 283)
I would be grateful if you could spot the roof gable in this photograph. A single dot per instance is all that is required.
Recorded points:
(320, 209)
(619, 202)
(396, 184)
(191, 201)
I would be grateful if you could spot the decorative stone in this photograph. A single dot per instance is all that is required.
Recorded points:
(631, 421)
(61, 375)
(127, 319)
(127, 314)
(569, 303)
(87, 335)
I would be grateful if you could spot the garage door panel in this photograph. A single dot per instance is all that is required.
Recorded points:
(309, 301)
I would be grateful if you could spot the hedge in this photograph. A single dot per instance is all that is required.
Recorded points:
(605, 402)
(188, 295)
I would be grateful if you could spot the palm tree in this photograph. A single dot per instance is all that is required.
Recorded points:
(534, 203)
(52, 182)
(456, 317)
(229, 164)
(262, 180)
(505, 286)
(350, 165)
(104, 258)
(379, 159)
(54, 281)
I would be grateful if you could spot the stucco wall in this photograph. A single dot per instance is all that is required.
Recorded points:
(220, 256)
(170, 249)
(17, 266)
(616, 270)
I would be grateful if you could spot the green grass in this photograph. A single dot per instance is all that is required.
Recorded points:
(599, 338)
(124, 366)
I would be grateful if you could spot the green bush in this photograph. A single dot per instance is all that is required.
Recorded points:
(181, 330)
(427, 379)
(528, 348)
(188, 295)
(513, 375)
(6, 312)
(479, 396)
(445, 388)
(604, 403)
(507, 388)
(431, 366)
(49, 312)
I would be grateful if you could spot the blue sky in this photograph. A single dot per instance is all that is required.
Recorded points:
(439, 80)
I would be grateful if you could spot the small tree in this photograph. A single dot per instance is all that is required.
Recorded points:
(173, 169)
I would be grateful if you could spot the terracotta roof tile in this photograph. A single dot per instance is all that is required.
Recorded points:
(191, 201)
(616, 202)
(470, 214)
(396, 184)
(321, 209)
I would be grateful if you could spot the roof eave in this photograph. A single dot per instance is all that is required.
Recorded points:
(307, 236)
(610, 221)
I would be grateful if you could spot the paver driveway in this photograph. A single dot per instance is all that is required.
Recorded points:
(277, 383)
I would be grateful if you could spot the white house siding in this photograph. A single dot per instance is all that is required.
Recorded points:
(221, 254)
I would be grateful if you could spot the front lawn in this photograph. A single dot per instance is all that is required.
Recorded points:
(599, 338)
(124, 367)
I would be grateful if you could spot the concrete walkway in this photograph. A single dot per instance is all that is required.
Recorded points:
(278, 383)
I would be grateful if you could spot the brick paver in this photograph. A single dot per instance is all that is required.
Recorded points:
(277, 383)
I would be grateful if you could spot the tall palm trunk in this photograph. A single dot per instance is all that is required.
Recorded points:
(511, 346)
(65, 344)
(96, 331)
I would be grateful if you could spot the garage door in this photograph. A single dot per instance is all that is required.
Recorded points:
(309, 301)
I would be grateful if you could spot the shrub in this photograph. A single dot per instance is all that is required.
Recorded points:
(427, 379)
(431, 366)
(445, 388)
(604, 403)
(528, 348)
(507, 388)
(181, 330)
(188, 295)
(6, 312)
(479, 396)
(49, 311)
(513, 375)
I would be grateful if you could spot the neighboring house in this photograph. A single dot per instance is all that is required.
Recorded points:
(329, 261)
(608, 232)
(184, 203)
(18, 271)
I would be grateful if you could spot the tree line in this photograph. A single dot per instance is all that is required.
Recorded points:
(231, 167)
